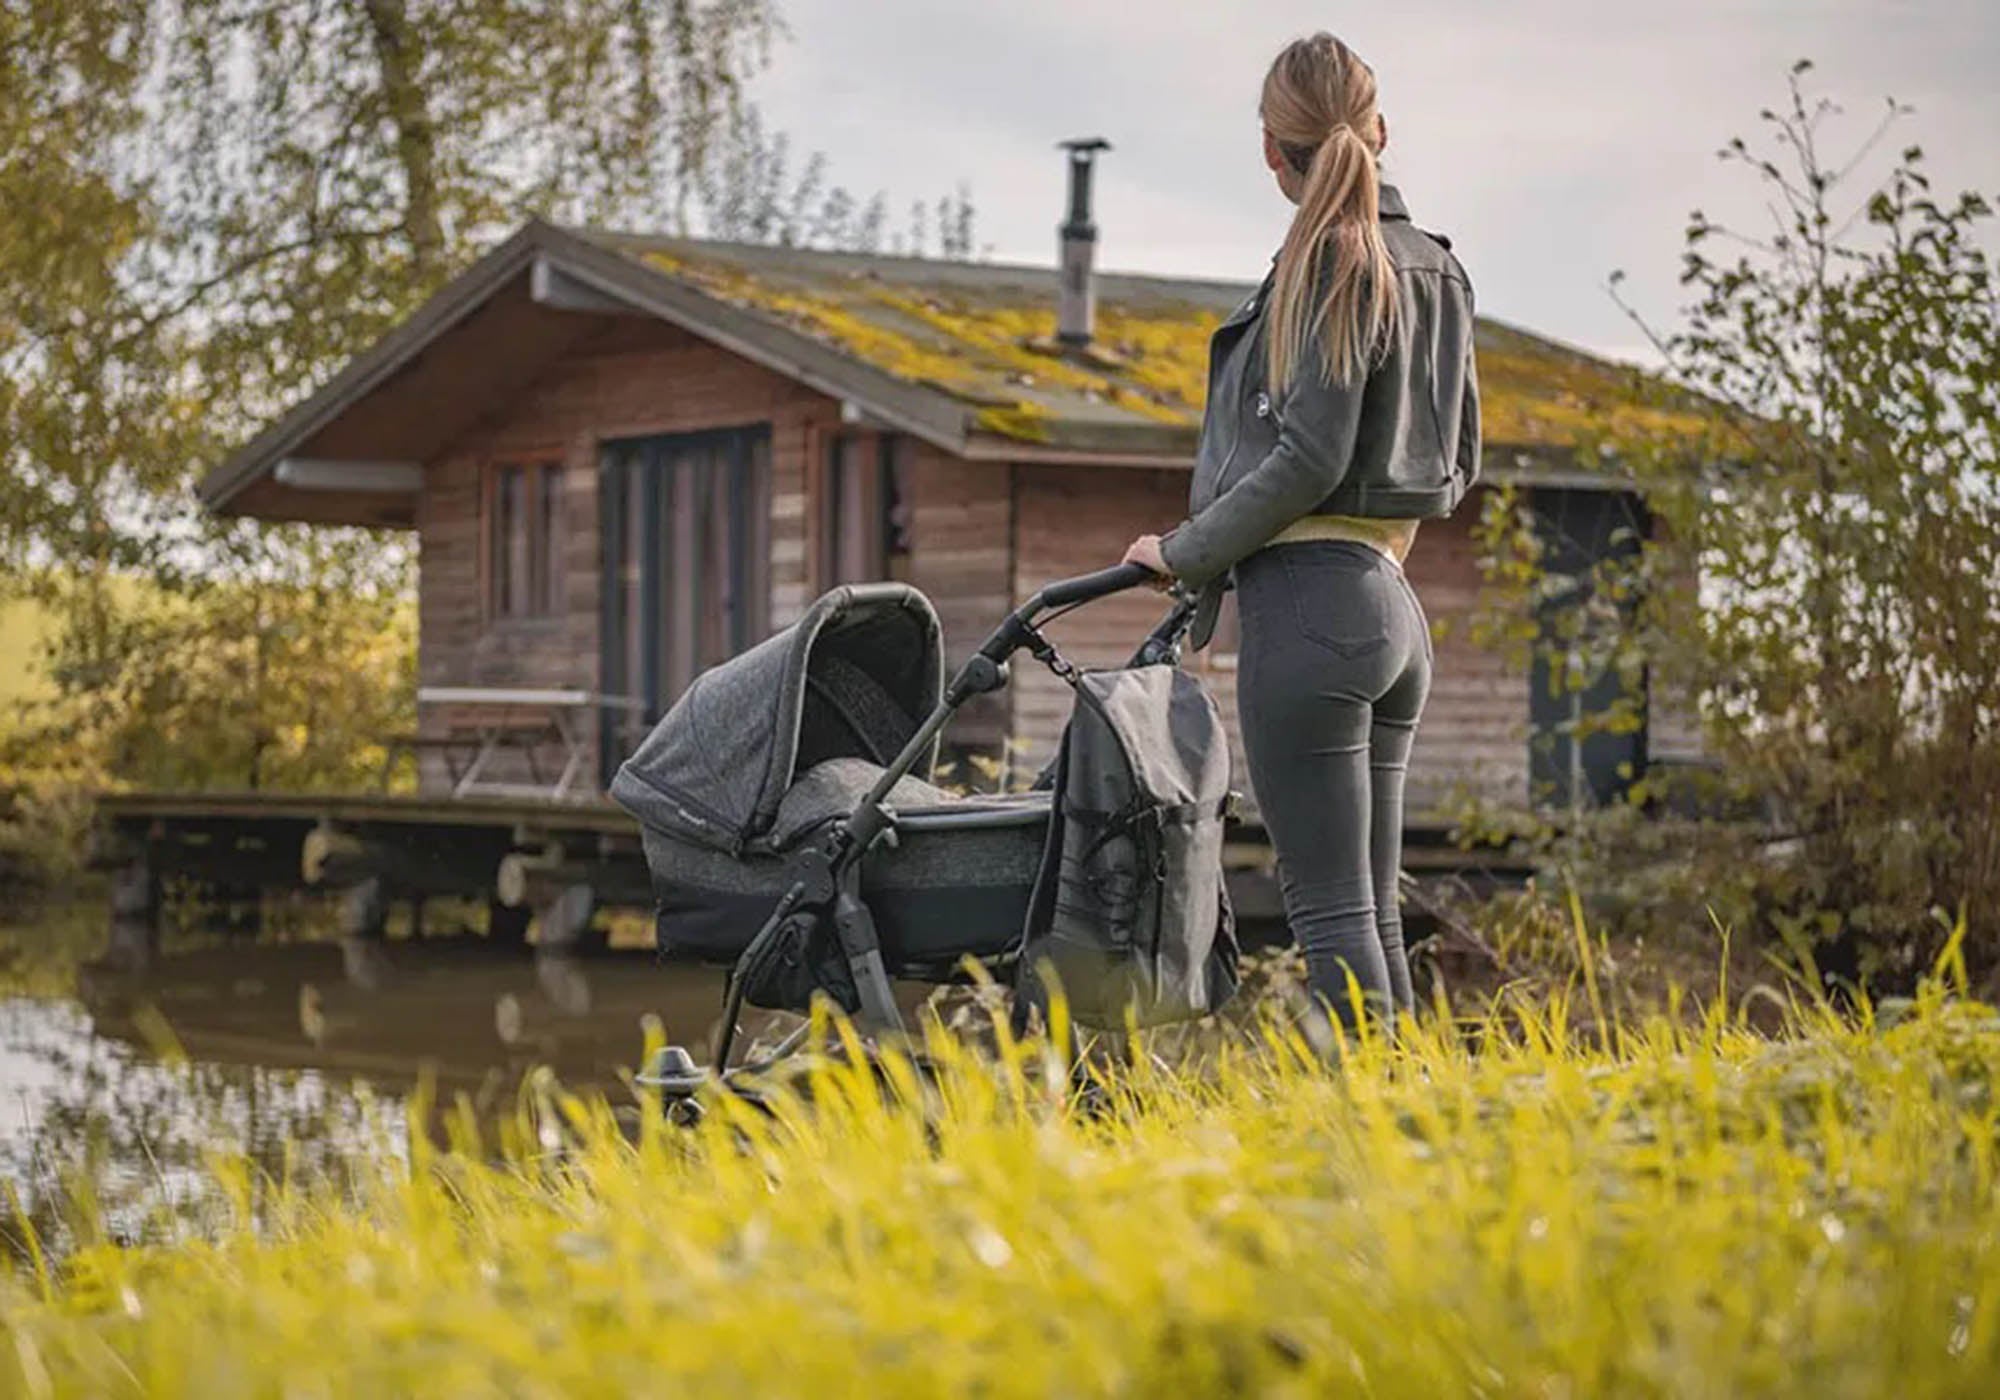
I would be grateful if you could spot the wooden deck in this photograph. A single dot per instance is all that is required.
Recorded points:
(555, 864)
(125, 809)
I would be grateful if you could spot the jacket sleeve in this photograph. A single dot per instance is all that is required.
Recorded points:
(1317, 426)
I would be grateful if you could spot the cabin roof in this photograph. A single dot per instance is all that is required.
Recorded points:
(958, 353)
(984, 334)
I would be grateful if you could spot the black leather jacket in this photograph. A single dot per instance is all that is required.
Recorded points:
(1402, 442)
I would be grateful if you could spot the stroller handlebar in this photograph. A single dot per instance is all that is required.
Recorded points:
(1019, 628)
(1087, 588)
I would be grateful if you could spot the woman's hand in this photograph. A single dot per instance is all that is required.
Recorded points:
(1145, 552)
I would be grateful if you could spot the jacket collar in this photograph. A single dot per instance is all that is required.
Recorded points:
(1390, 204)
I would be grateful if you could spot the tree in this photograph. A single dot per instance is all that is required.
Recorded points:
(333, 161)
(221, 201)
(213, 205)
(85, 425)
(1839, 505)
(753, 195)
(225, 200)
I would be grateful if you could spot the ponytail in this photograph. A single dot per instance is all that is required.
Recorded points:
(1333, 280)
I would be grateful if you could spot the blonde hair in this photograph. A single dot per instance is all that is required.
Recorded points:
(1319, 105)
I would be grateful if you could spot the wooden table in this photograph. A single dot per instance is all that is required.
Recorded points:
(557, 715)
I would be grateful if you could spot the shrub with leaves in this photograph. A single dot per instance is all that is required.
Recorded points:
(1820, 577)
(293, 682)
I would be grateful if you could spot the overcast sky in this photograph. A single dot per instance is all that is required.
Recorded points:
(1555, 140)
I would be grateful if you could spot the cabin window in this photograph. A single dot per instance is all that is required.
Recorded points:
(524, 576)
(863, 510)
(1576, 756)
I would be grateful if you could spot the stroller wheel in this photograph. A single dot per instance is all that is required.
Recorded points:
(673, 1074)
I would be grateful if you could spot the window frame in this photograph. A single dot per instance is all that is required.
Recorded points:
(523, 571)
(879, 462)
(685, 568)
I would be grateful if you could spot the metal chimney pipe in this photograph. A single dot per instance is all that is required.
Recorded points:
(1076, 306)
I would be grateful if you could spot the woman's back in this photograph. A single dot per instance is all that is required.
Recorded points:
(1396, 439)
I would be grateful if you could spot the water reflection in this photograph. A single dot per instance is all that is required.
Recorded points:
(116, 1089)
(99, 1140)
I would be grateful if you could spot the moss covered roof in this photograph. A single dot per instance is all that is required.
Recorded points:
(982, 334)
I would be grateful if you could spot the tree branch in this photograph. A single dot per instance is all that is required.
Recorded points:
(249, 263)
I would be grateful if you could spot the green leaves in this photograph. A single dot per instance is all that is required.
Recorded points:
(226, 201)
(1824, 577)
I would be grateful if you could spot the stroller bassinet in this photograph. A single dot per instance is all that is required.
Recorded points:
(767, 749)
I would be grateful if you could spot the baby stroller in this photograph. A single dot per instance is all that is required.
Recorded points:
(791, 829)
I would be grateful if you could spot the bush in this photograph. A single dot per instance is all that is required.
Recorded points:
(216, 681)
(1820, 582)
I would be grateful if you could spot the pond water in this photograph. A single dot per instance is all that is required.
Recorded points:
(117, 1088)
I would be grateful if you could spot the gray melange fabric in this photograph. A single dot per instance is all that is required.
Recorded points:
(1334, 666)
(831, 789)
(925, 855)
(853, 677)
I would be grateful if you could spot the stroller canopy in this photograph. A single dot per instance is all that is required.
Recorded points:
(853, 678)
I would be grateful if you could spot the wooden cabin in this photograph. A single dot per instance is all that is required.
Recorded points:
(624, 458)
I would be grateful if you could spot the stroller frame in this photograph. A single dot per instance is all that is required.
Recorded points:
(824, 876)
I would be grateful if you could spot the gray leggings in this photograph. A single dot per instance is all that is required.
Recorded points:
(1333, 669)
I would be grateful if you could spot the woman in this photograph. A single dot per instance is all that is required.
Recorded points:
(1342, 409)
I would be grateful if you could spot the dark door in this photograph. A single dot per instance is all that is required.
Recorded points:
(1577, 530)
(686, 522)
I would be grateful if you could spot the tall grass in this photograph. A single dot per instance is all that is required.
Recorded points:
(1687, 1208)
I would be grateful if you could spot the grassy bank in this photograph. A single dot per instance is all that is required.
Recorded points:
(1699, 1210)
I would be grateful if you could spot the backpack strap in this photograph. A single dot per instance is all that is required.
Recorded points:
(1188, 813)
(1180, 814)
(1112, 824)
